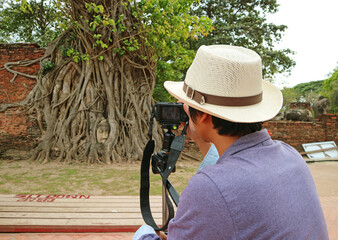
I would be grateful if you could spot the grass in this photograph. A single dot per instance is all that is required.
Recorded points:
(25, 177)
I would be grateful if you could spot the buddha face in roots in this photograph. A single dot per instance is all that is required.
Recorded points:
(102, 131)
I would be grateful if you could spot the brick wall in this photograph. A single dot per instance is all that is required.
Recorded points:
(297, 133)
(301, 105)
(18, 132)
(18, 90)
(16, 129)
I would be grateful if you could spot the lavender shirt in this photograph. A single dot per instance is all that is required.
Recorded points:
(258, 189)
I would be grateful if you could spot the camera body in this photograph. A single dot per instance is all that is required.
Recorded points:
(169, 115)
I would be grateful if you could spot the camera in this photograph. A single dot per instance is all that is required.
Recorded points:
(169, 115)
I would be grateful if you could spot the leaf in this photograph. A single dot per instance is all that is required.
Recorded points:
(97, 36)
(70, 52)
(111, 22)
(76, 59)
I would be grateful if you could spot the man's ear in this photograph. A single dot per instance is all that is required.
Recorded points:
(205, 118)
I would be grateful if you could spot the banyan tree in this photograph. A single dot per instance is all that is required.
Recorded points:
(93, 96)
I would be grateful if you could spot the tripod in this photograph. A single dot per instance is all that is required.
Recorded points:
(163, 163)
(159, 162)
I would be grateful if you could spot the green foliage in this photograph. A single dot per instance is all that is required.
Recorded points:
(100, 19)
(46, 66)
(165, 26)
(305, 88)
(328, 83)
(28, 21)
(168, 27)
(244, 23)
(303, 92)
(289, 95)
(172, 29)
(71, 52)
(311, 92)
(334, 97)
(331, 90)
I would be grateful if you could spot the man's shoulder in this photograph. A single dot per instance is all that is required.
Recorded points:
(206, 182)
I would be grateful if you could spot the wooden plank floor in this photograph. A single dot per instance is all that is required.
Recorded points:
(73, 213)
(79, 213)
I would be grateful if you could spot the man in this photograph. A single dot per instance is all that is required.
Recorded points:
(259, 188)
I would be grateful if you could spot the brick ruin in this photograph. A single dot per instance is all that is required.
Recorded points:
(18, 131)
(296, 133)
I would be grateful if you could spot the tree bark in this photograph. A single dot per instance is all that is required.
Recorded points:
(95, 111)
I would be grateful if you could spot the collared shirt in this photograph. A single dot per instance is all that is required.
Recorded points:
(258, 189)
(210, 158)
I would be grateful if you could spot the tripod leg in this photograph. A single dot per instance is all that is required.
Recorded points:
(164, 206)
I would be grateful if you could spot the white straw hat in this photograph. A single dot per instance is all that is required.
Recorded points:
(226, 82)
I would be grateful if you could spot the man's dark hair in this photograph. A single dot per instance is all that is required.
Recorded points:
(225, 127)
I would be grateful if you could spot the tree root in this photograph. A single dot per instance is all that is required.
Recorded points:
(93, 111)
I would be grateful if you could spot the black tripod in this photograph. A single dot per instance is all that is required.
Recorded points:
(158, 163)
(163, 163)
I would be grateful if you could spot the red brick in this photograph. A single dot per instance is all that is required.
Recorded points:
(17, 130)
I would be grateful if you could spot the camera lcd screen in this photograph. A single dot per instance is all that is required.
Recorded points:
(170, 113)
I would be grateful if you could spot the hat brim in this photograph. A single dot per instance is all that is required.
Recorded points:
(267, 109)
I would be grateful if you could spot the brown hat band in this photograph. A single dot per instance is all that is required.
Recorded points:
(202, 98)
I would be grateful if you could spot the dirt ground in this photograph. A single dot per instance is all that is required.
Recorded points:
(14, 163)
(18, 175)
(325, 175)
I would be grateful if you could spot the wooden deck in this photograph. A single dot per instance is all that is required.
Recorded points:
(73, 213)
(83, 213)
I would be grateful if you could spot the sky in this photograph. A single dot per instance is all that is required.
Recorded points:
(313, 34)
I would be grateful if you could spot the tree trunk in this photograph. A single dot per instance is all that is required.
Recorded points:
(95, 110)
